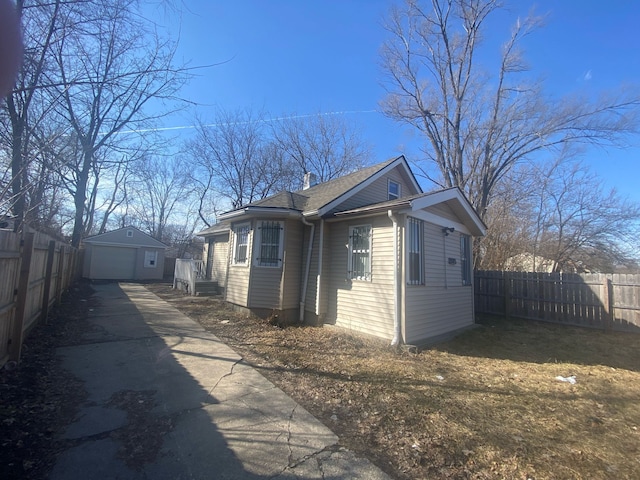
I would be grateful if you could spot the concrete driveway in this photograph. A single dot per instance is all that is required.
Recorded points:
(167, 400)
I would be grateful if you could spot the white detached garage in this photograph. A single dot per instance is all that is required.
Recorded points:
(123, 254)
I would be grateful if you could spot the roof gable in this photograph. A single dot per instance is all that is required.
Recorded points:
(458, 203)
(125, 236)
(326, 196)
(452, 198)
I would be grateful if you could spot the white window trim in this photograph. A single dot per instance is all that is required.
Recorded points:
(258, 249)
(389, 182)
(234, 259)
(466, 265)
(366, 278)
(147, 259)
(420, 281)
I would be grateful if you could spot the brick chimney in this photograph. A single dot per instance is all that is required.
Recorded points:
(309, 180)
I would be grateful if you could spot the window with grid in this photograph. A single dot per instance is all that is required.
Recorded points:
(270, 244)
(360, 252)
(241, 244)
(415, 270)
(465, 259)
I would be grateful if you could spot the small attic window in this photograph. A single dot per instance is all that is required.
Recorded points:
(129, 233)
(394, 190)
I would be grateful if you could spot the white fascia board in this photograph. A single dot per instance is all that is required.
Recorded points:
(446, 195)
(345, 196)
(411, 176)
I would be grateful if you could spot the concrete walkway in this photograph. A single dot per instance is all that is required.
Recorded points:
(167, 400)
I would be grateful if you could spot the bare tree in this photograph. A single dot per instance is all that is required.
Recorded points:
(161, 190)
(321, 144)
(25, 106)
(236, 160)
(558, 216)
(478, 126)
(109, 70)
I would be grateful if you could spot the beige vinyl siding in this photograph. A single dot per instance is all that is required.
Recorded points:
(364, 306)
(293, 263)
(433, 311)
(444, 211)
(278, 287)
(326, 268)
(149, 273)
(443, 304)
(438, 249)
(237, 288)
(378, 191)
(310, 298)
(265, 287)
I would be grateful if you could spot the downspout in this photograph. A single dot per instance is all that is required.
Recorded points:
(396, 283)
(305, 280)
(319, 276)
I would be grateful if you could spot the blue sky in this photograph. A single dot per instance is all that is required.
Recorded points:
(304, 57)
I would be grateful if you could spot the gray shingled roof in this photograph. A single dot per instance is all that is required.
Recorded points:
(321, 194)
(218, 228)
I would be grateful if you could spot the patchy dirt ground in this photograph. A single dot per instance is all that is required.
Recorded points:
(486, 405)
(38, 397)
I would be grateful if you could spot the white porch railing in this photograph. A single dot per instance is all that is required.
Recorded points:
(186, 273)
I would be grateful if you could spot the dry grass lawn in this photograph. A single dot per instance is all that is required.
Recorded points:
(484, 405)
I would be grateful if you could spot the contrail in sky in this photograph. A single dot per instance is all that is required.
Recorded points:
(268, 120)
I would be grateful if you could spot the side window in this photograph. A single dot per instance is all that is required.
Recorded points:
(360, 253)
(415, 246)
(465, 259)
(240, 244)
(393, 190)
(150, 259)
(270, 240)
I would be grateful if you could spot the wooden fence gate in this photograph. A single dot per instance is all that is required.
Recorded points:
(607, 301)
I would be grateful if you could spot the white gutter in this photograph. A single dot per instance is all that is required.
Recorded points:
(397, 333)
(305, 281)
(260, 211)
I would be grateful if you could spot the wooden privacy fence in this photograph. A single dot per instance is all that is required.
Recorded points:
(35, 271)
(607, 301)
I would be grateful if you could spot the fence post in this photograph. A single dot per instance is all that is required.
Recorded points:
(60, 283)
(607, 301)
(23, 288)
(507, 294)
(46, 294)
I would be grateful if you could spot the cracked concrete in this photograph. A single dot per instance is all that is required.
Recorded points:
(226, 420)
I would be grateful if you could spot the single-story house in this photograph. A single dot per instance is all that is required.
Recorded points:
(123, 254)
(368, 251)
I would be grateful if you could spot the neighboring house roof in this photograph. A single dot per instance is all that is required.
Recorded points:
(321, 198)
(116, 237)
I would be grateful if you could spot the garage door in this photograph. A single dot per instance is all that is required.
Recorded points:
(113, 263)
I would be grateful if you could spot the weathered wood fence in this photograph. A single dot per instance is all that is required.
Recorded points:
(35, 270)
(607, 301)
